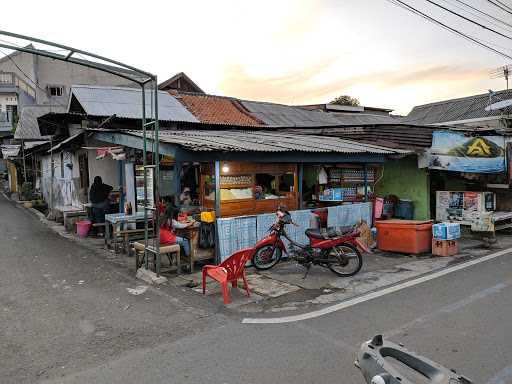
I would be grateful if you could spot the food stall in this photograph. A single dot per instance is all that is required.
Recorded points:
(250, 188)
(334, 184)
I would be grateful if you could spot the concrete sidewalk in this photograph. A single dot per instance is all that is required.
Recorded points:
(283, 288)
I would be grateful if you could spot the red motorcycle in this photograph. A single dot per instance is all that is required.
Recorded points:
(337, 250)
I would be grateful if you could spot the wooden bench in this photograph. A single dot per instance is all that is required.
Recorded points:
(132, 234)
(168, 250)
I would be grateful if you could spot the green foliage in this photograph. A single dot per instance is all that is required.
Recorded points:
(346, 100)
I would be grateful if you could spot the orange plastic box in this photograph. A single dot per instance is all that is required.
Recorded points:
(445, 247)
(404, 236)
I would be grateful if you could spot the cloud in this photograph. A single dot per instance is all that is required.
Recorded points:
(301, 87)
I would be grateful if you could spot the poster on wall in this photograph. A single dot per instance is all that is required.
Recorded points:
(453, 151)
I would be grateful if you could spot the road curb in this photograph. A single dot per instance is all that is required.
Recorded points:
(373, 294)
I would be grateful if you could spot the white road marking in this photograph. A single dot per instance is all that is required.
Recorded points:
(374, 295)
(450, 308)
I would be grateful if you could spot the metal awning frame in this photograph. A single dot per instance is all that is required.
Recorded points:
(138, 76)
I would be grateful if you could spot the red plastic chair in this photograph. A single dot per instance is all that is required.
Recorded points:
(229, 271)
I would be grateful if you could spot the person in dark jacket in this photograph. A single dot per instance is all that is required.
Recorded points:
(98, 196)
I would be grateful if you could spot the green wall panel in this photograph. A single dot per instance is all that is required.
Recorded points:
(404, 179)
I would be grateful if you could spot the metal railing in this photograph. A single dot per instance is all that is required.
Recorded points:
(12, 79)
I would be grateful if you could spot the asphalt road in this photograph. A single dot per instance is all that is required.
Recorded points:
(86, 333)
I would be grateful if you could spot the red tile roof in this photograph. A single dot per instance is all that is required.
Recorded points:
(217, 109)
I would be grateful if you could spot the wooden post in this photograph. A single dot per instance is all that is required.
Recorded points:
(365, 175)
(217, 188)
(177, 182)
(301, 177)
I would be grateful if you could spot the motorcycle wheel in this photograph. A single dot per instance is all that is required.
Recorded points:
(266, 257)
(344, 260)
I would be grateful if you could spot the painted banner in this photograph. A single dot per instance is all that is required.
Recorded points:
(453, 151)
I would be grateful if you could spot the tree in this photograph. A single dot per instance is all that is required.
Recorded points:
(346, 100)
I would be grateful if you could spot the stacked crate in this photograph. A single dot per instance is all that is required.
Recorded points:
(445, 239)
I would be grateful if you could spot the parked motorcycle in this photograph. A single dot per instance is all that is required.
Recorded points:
(337, 250)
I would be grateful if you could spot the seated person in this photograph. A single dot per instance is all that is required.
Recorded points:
(167, 236)
(99, 197)
(185, 198)
(258, 193)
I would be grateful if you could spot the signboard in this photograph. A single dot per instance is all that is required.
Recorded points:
(453, 151)
(9, 151)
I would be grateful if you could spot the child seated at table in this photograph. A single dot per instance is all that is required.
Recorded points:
(169, 222)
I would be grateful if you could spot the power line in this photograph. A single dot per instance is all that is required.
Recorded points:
(409, 8)
(28, 77)
(482, 12)
(468, 19)
(501, 6)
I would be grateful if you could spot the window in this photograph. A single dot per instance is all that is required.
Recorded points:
(286, 183)
(265, 186)
(56, 90)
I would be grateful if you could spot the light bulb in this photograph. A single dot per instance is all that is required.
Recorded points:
(225, 168)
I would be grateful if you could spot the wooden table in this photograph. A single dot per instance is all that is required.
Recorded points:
(116, 220)
(192, 234)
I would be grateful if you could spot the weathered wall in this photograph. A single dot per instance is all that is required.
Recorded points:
(106, 168)
(65, 183)
(46, 71)
(404, 179)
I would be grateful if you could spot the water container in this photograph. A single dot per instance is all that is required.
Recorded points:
(405, 210)
(83, 227)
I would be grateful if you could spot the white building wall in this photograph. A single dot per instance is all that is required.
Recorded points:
(65, 182)
(106, 168)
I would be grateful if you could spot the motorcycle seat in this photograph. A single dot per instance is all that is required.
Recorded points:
(329, 232)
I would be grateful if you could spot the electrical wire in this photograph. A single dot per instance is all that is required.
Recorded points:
(468, 19)
(28, 77)
(504, 4)
(499, 5)
(482, 13)
(482, 44)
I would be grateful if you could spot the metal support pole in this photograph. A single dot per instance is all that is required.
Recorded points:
(121, 185)
(52, 175)
(365, 175)
(301, 177)
(144, 164)
(24, 163)
(217, 188)
(156, 181)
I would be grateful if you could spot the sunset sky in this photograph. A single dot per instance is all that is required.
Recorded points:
(287, 51)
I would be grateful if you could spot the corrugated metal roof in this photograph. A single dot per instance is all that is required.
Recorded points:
(265, 141)
(68, 140)
(466, 108)
(393, 136)
(127, 103)
(28, 128)
(363, 119)
(278, 115)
